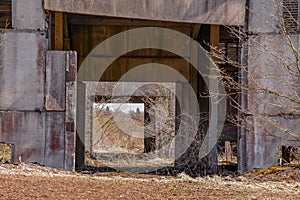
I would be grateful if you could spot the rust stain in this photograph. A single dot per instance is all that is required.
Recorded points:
(40, 59)
(70, 126)
(54, 142)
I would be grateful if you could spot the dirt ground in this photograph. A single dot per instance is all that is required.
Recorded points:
(37, 182)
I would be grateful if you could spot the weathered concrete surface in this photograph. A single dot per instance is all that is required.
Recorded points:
(281, 99)
(229, 12)
(61, 126)
(5, 9)
(263, 16)
(270, 54)
(26, 131)
(271, 65)
(28, 15)
(55, 139)
(22, 71)
(55, 81)
(70, 117)
(266, 136)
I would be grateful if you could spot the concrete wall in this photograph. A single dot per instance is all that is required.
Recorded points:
(28, 15)
(272, 116)
(36, 115)
(38, 88)
(229, 12)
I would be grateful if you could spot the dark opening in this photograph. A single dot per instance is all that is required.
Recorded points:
(5, 13)
(290, 15)
(289, 155)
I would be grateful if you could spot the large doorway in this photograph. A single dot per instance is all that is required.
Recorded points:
(83, 33)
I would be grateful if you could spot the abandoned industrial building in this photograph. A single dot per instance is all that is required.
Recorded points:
(62, 60)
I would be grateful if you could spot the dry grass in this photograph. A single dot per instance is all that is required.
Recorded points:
(5, 153)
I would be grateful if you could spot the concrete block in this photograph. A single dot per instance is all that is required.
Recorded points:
(264, 137)
(269, 55)
(22, 71)
(28, 15)
(55, 140)
(282, 99)
(55, 81)
(285, 130)
(263, 16)
(272, 66)
(26, 131)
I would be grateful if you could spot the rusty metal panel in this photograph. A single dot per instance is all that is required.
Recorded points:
(55, 80)
(28, 14)
(54, 139)
(26, 131)
(228, 12)
(22, 71)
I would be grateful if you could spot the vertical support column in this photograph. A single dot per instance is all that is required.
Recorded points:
(71, 99)
(55, 109)
(214, 35)
(213, 156)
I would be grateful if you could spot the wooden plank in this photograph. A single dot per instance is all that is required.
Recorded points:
(214, 35)
(227, 152)
(213, 155)
(58, 31)
(66, 41)
(195, 32)
(100, 21)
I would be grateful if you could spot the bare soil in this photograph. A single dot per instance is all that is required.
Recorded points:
(28, 181)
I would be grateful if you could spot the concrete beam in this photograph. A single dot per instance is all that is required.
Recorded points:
(229, 12)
